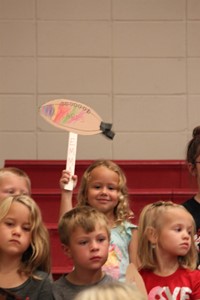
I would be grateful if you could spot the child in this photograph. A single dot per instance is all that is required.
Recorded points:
(84, 234)
(103, 186)
(24, 249)
(112, 291)
(14, 181)
(193, 161)
(167, 252)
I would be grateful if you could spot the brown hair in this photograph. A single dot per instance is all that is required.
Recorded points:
(193, 148)
(85, 217)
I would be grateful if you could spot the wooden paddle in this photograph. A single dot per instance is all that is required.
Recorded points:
(76, 118)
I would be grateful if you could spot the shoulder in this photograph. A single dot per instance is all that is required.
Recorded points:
(182, 274)
(41, 278)
(190, 202)
(190, 278)
(63, 289)
(60, 282)
(125, 227)
(42, 275)
(191, 273)
(43, 281)
(130, 225)
(129, 229)
(123, 232)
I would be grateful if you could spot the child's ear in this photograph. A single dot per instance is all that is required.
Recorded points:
(66, 250)
(152, 235)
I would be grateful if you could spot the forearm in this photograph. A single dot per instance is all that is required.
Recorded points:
(65, 202)
(134, 277)
(133, 246)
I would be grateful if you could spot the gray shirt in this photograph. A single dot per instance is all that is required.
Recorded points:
(64, 289)
(35, 289)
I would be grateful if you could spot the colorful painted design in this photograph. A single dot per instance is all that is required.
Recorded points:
(62, 113)
(72, 116)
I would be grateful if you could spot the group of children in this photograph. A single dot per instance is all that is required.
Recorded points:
(155, 260)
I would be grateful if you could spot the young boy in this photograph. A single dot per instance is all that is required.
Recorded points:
(14, 181)
(85, 237)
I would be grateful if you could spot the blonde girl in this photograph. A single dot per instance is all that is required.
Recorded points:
(24, 249)
(167, 252)
(103, 186)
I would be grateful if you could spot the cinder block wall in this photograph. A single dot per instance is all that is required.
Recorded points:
(136, 62)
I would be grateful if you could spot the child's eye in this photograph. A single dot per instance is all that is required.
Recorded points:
(9, 223)
(27, 228)
(97, 186)
(102, 240)
(112, 188)
(82, 242)
(10, 192)
(25, 193)
(178, 229)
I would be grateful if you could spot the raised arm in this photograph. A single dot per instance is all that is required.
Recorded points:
(66, 196)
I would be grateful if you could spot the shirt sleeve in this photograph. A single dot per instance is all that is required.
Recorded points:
(128, 229)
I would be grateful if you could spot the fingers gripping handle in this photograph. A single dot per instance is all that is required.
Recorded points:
(71, 158)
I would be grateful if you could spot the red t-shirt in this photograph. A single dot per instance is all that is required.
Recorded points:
(181, 285)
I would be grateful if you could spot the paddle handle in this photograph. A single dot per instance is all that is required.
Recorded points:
(71, 158)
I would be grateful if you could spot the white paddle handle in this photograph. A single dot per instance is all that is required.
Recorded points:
(71, 158)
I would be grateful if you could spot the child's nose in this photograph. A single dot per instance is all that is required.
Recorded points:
(186, 235)
(104, 190)
(16, 231)
(94, 245)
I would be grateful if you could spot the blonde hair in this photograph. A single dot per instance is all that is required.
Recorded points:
(18, 172)
(37, 256)
(122, 211)
(111, 291)
(152, 216)
(85, 217)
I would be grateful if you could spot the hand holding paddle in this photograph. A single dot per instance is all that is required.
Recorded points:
(77, 118)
